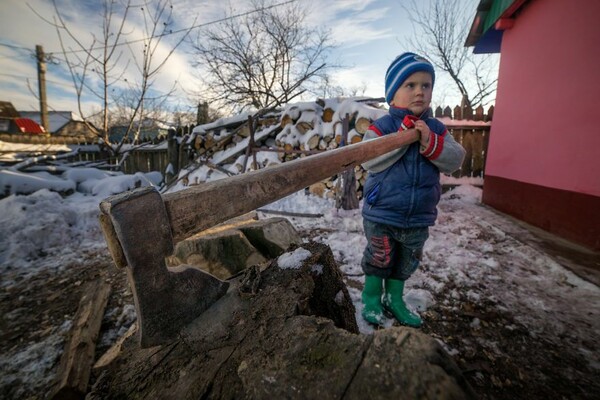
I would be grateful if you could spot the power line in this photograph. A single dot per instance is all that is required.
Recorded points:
(179, 30)
(14, 47)
(34, 79)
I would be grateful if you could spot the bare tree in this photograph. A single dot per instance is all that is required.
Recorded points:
(98, 66)
(330, 90)
(265, 58)
(441, 28)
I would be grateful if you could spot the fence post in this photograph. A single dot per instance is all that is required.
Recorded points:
(346, 196)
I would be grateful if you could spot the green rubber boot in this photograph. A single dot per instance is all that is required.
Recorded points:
(371, 297)
(394, 303)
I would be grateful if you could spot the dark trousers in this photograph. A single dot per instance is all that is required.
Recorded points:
(392, 253)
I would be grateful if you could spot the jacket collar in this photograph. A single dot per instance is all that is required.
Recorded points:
(403, 112)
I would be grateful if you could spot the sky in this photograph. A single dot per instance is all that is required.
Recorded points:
(369, 34)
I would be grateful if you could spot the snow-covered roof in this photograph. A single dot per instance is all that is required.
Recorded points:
(56, 119)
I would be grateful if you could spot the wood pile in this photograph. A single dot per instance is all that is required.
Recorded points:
(226, 133)
(319, 126)
(296, 131)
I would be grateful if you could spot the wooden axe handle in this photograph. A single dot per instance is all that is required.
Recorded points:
(203, 206)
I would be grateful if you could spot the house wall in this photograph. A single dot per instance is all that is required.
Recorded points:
(75, 128)
(542, 163)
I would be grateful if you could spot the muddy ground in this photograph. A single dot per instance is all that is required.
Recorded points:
(499, 357)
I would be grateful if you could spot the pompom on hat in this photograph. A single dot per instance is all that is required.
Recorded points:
(401, 68)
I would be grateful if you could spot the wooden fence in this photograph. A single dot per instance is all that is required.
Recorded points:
(472, 130)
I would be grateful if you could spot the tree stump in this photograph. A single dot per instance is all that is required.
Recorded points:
(285, 333)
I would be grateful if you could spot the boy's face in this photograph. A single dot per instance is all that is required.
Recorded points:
(414, 93)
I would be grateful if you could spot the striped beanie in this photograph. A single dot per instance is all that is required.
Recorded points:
(401, 68)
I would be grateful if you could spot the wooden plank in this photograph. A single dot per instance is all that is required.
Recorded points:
(477, 144)
(78, 357)
(457, 134)
(192, 210)
(486, 141)
(467, 143)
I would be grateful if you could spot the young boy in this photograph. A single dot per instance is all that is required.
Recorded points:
(403, 188)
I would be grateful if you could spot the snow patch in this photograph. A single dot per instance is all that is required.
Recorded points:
(294, 259)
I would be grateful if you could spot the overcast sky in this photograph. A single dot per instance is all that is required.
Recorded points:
(369, 35)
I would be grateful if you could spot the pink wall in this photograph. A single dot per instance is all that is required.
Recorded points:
(546, 127)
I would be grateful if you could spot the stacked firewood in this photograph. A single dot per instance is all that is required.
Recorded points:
(225, 134)
(320, 126)
(283, 135)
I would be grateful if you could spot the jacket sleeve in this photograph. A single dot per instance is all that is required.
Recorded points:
(384, 161)
(444, 152)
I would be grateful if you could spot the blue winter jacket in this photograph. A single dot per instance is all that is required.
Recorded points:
(403, 186)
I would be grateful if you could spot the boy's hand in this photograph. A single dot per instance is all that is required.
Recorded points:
(412, 133)
(424, 133)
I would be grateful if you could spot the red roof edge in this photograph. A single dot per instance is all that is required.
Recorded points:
(27, 125)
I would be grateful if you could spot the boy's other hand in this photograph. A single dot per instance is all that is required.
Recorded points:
(424, 133)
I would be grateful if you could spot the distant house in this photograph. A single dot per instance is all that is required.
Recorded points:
(7, 113)
(150, 131)
(542, 162)
(12, 122)
(62, 123)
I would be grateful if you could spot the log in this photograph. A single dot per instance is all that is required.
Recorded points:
(322, 144)
(221, 254)
(268, 121)
(243, 131)
(328, 115)
(304, 126)
(362, 125)
(318, 189)
(356, 139)
(347, 198)
(313, 142)
(209, 140)
(78, 357)
(285, 120)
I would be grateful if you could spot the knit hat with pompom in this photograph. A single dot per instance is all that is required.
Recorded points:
(401, 68)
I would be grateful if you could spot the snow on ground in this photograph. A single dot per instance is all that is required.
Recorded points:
(465, 251)
(483, 263)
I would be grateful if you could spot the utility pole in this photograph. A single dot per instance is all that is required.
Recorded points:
(41, 64)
